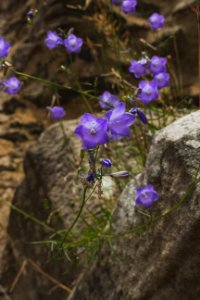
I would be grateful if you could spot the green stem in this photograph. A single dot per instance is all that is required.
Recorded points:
(77, 216)
(26, 215)
(76, 79)
(66, 140)
(54, 84)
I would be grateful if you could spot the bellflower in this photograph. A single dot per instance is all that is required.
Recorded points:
(53, 40)
(148, 91)
(12, 85)
(119, 121)
(162, 80)
(139, 113)
(57, 112)
(92, 131)
(156, 21)
(139, 68)
(73, 44)
(4, 48)
(157, 65)
(108, 100)
(128, 6)
(145, 196)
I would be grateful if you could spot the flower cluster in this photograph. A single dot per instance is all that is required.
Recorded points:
(156, 66)
(127, 6)
(72, 43)
(95, 131)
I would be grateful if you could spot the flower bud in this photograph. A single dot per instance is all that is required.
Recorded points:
(120, 174)
(106, 163)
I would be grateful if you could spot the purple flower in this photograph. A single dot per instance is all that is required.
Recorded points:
(157, 65)
(148, 91)
(4, 48)
(162, 80)
(156, 21)
(128, 6)
(92, 131)
(73, 44)
(145, 196)
(139, 68)
(106, 163)
(119, 121)
(140, 114)
(53, 40)
(108, 100)
(12, 85)
(57, 112)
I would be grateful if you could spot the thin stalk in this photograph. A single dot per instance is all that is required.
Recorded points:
(76, 79)
(77, 216)
(54, 84)
(142, 153)
(26, 215)
(66, 140)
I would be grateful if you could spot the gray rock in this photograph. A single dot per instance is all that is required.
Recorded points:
(158, 260)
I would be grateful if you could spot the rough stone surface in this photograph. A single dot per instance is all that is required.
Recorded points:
(161, 260)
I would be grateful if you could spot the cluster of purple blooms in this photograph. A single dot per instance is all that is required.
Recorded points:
(95, 131)
(10, 85)
(157, 67)
(72, 43)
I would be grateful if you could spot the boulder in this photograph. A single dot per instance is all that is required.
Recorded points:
(47, 200)
(155, 257)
